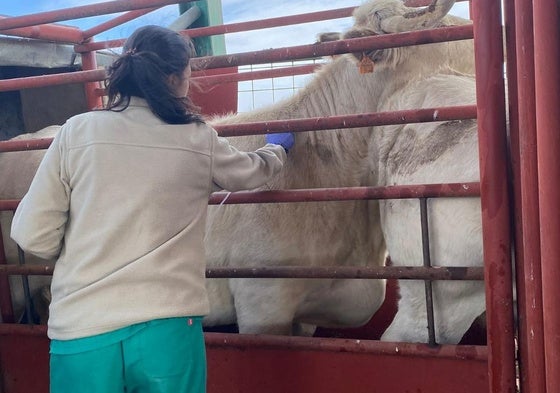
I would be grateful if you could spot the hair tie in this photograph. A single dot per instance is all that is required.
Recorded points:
(130, 52)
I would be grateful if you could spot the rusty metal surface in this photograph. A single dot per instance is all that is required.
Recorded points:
(377, 272)
(51, 80)
(89, 63)
(24, 363)
(521, 86)
(207, 80)
(373, 347)
(489, 62)
(236, 27)
(276, 364)
(115, 22)
(349, 193)
(336, 47)
(317, 49)
(52, 32)
(8, 204)
(464, 112)
(546, 14)
(243, 363)
(427, 264)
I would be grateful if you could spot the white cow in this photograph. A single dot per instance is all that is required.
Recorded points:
(442, 152)
(348, 233)
(16, 172)
(308, 234)
(403, 78)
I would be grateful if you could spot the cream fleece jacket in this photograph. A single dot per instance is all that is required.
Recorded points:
(120, 201)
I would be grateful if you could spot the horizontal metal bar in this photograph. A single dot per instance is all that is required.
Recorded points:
(23, 145)
(271, 22)
(209, 80)
(318, 49)
(205, 80)
(351, 272)
(50, 32)
(450, 190)
(311, 124)
(52, 80)
(22, 330)
(374, 347)
(253, 341)
(26, 270)
(350, 121)
(346, 272)
(385, 41)
(348, 193)
(234, 27)
(100, 75)
(119, 20)
(109, 7)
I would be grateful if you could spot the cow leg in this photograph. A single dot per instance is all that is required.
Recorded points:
(266, 306)
(303, 329)
(342, 303)
(222, 309)
(456, 306)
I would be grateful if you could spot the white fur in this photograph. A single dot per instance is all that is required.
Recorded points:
(349, 233)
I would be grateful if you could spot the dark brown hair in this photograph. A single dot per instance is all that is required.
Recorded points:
(149, 57)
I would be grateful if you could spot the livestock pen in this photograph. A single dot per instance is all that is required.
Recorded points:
(517, 190)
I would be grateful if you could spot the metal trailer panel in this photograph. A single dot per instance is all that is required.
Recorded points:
(521, 93)
(493, 157)
(419, 371)
(546, 14)
(24, 363)
(254, 369)
(250, 367)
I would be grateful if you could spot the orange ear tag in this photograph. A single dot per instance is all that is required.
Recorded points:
(366, 65)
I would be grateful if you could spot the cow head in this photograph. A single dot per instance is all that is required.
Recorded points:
(393, 16)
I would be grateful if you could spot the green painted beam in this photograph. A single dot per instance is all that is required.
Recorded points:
(211, 15)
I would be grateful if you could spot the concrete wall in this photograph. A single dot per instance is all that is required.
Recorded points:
(30, 110)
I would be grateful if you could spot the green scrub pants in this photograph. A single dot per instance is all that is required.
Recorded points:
(162, 357)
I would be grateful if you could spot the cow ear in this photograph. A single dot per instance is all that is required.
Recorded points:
(362, 57)
(330, 36)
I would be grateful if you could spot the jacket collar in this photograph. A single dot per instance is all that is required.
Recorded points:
(137, 101)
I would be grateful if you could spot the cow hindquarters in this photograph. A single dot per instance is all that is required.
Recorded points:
(268, 306)
(456, 306)
(455, 240)
(342, 303)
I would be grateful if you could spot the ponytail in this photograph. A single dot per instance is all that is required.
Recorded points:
(149, 57)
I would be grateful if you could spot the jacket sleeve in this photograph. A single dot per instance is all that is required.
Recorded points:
(234, 170)
(40, 219)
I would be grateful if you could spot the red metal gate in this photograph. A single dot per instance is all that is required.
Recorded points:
(247, 363)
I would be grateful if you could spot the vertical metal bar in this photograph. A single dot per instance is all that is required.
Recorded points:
(546, 15)
(494, 194)
(521, 85)
(89, 62)
(427, 263)
(6, 307)
(26, 291)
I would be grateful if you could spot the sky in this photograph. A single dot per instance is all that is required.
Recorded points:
(251, 94)
(233, 11)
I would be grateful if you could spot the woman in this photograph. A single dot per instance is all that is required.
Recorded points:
(120, 201)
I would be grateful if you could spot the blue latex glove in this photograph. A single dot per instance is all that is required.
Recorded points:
(284, 139)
